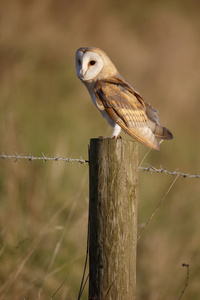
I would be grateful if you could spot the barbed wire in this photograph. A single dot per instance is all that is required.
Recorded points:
(163, 170)
(80, 160)
(45, 158)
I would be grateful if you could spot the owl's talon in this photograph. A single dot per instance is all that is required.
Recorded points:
(116, 137)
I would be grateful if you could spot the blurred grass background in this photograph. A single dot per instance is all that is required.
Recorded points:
(45, 108)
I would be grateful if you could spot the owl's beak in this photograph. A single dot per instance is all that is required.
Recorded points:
(82, 74)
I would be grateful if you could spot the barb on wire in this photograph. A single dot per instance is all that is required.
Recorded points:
(45, 158)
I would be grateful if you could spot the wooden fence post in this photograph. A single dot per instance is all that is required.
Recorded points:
(113, 173)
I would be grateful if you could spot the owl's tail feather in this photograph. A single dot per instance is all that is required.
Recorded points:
(160, 131)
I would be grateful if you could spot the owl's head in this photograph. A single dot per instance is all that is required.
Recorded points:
(92, 63)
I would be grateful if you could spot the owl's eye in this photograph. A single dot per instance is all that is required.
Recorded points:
(92, 62)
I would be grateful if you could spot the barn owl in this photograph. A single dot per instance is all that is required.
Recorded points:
(119, 103)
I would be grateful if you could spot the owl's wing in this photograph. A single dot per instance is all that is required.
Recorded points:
(127, 108)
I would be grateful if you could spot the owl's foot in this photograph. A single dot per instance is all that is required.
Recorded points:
(117, 137)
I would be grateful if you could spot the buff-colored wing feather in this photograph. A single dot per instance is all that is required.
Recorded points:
(126, 107)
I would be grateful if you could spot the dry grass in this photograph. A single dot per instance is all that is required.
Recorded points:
(44, 108)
